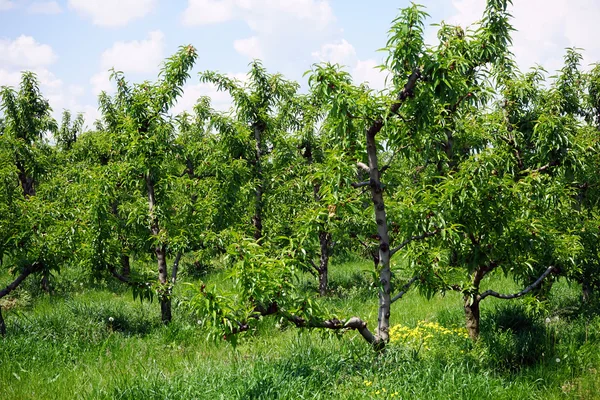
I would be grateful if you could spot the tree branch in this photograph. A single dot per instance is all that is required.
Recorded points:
(542, 168)
(411, 239)
(405, 93)
(363, 166)
(360, 184)
(175, 267)
(404, 289)
(523, 292)
(14, 284)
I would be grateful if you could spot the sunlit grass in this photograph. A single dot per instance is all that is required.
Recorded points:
(94, 343)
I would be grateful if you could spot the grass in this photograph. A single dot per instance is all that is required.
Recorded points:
(94, 342)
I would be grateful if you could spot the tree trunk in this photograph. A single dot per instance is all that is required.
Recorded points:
(161, 256)
(258, 194)
(586, 291)
(45, 283)
(472, 317)
(27, 182)
(125, 266)
(324, 239)
(2, 324)
(385, 273)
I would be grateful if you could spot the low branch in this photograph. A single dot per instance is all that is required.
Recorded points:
(363, 166)
(358, 185)
(523, 292)
(14, 284)
(411, 239)
(353, 323)
(175, 267)
(404, 289)
(312, 264)
(120, 277)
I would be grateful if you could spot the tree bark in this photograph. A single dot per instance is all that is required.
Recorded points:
(161, 256)
(586, 292)
(2, 324)
(45, 283)
(27, 182)
(324, 239)
(385, 273)
(472, 316)
(12, 286)
(125, 266)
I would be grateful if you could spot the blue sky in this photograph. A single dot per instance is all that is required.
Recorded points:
(71, 44)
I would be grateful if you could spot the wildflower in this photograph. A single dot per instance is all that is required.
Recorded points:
(368, 383)
(547, 320)
(377, 392)
(111, 319)
(558, 360)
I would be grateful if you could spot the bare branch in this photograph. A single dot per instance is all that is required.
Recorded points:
(360, 184)
(523, 292)
(14, 284)
(175, 267)
(363, 166)
(404, 289)
(411, 239)
(353, 323)
(543, 168)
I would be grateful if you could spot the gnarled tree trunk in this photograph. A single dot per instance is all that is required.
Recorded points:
(385, 273)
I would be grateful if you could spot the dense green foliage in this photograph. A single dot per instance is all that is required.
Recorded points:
(463, 174)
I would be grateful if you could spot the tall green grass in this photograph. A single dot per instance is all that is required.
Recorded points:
(89, 342)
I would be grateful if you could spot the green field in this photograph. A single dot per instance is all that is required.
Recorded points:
(96, 342)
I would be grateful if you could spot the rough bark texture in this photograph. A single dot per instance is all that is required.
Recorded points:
(258, 194)
(385, 274)
(472, 317)
(161, 256)
(324, 240)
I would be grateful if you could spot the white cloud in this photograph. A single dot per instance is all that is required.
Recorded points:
(249, 47)
(6, 5)
(344, 53)
(44, 7)
(101, 83)
(257, 12)
(25, 52)
(543, 30)
(340, 52)
(205, 12)
(367, 71)
(113, 12)
(136, 56)
(284, 29)
(220, 101)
